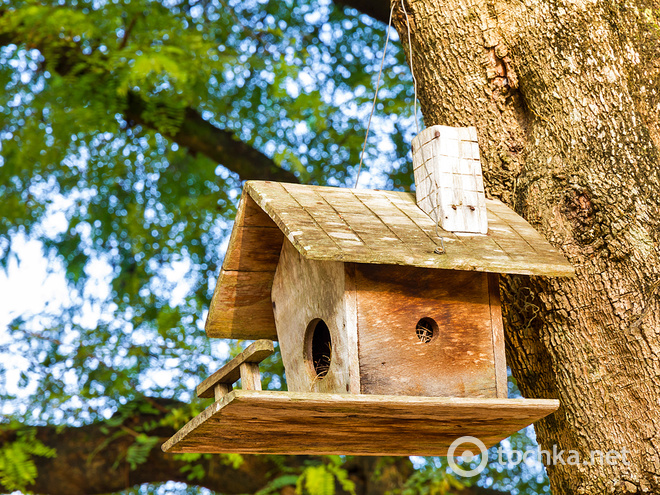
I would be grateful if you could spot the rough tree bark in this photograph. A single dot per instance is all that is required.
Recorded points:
(564, 95)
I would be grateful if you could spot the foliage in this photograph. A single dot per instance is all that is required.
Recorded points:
(321, 479)
(136, 222)
(196, 472)
(17, 467)
(430, 479)
(139, 451)
(314, 478)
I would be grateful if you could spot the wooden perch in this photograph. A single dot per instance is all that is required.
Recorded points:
(244, 366)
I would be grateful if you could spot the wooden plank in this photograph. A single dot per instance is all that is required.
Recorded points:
(269, 422)
(498, 335)
(295, 222)
(250, 376)
(250, 213)
(405, 202)
(418, 230)
(231, 372)
(328, 219)
(351, 327)
(457, 361)
(221, 389)
(305, 291)
(382, 241)
(523, 230)
(241, 307)
(255, 241)
(254, 249)
(400, 224)
(463, 251)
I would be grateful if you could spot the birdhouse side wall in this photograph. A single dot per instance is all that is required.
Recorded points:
(240, 308)
(307, 294)
(396, 305)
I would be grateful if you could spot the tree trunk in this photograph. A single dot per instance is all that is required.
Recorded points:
(565, 97)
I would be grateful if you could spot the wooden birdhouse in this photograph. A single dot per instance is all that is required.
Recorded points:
(389, 325)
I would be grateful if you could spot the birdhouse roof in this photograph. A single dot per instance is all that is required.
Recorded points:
(359, 226)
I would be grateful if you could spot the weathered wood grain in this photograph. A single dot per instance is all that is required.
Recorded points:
(351, 327)
(330, 221)
(498, 335)
(527, 254)
(457, 362)
(250, 376)
(255, 240)
(253, 249)
(448, 179)
(382, 241)
(270, 422)
(221, 389)
(420, 244)
(231, 372)
(296, 222)
(305, 290)
(241, 307)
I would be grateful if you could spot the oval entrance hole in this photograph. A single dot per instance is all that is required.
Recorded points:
(319, 348)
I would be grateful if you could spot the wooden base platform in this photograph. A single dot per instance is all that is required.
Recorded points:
(267, 422)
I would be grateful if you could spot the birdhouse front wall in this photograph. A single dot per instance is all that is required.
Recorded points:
(425, 332)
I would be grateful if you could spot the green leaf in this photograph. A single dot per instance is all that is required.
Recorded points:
(139, 451)
(278, 483)
(17, 467)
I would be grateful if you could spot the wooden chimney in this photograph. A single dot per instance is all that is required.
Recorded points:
(448, 180)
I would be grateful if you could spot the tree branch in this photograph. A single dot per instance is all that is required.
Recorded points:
(378, 9)
(222, 146)
(127, 32)
(195, 133)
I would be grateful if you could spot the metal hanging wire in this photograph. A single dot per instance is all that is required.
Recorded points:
(373, 106)
(435, 209)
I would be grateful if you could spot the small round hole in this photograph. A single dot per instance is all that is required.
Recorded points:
(319, 348)
(426, 330)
